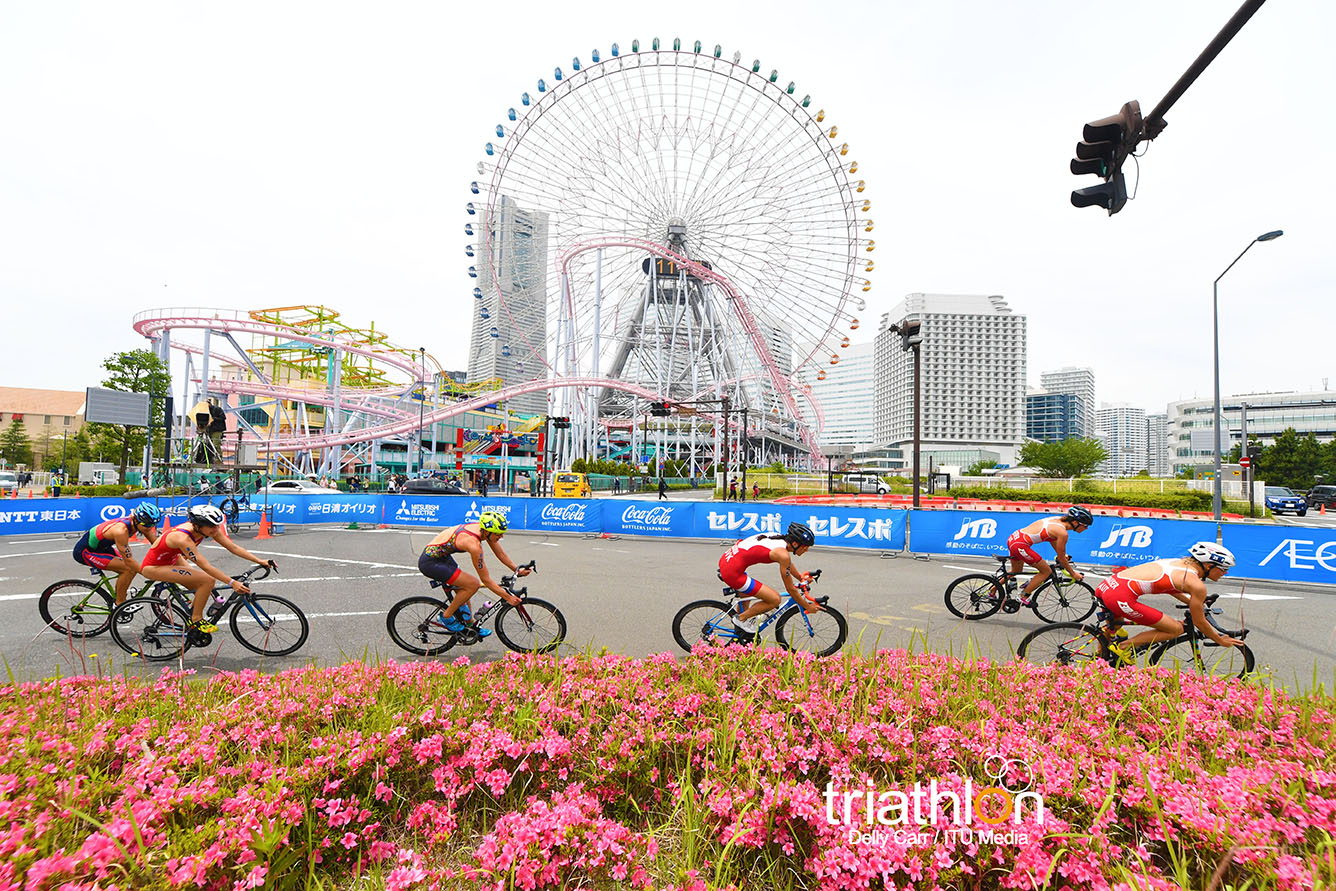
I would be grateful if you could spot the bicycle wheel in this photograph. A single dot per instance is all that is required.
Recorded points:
(415, 624)
(1208, 659)
(703, 621)
(820, 633)
(1069, 601)
(1066, 643)
(535, 626)
(268, 625)
(231, 510)
(975, 596)
(76, 608)
(153, 628)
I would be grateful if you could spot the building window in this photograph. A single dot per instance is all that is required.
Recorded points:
(67, 420)
(46, 419)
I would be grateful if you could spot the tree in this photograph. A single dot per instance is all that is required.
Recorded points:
(1295, 461)
(15, 446)
(135, 371)
(1070, 457)
(978, 467)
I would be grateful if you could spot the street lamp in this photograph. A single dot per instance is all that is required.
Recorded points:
(911, 338)
(1215, 320)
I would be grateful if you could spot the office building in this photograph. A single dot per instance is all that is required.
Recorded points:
(1122, 429)
(500, 348)
(1157, 445)
(1191, 423)
(1053, 417)
(973, 368)
(1079, 382)
(846, 399)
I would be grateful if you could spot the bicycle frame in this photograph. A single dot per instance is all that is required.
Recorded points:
(773, 615)
(478, 617)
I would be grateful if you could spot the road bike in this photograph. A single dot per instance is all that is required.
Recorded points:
(80, 608)
(156, 627)
(980, 595)
(1073, 643)
(532, 626)
(711, 621)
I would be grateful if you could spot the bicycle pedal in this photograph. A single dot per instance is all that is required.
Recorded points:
(198, 638)
(1011, 605)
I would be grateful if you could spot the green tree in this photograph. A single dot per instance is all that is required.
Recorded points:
(135, 371)
(1070, 457)
(1295, 461)
(978, 467)
(15, 446)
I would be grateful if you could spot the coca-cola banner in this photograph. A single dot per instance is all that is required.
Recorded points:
(562, 515)
(675, 519)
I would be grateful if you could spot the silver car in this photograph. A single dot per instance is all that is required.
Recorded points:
(8, 481)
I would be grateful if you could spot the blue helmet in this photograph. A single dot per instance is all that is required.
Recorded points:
(147, 514)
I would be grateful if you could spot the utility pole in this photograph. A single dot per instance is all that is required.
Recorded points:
(743, 443)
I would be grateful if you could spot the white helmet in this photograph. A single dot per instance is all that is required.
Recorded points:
(207, 514)
(1208, 553)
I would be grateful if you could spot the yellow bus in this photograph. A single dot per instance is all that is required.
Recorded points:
(570, 485)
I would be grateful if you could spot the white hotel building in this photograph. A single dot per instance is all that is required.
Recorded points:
(846, 400)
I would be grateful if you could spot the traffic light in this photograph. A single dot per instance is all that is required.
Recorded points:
(1254, 448)
(560, 423)
(658, 409)
(1105, 145)
(909, 334)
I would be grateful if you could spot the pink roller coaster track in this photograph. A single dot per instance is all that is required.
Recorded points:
(355, 400)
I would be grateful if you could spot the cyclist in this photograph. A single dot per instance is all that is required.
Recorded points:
(107, 545)
(759, 598)
(438, 562)
(1053, 530)
(167, 560)
(1183, 578)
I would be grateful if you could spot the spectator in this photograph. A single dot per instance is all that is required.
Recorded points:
(732, 490)
(663, 489)
(756, 491)
(392, 486)
(616, 485)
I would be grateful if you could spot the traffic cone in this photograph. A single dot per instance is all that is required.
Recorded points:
(166, 525)
(1322, 508)
(29, 493)
(264, 527)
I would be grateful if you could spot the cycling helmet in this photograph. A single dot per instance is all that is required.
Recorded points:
(147, 514)
(1080, 515)
(206, 514)
(1209, 554)
(493, 521)
(800, 535)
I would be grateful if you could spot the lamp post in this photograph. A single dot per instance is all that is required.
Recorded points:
(1215, 320)
(422, 406)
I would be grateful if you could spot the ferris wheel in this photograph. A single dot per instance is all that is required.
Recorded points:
(674, 218)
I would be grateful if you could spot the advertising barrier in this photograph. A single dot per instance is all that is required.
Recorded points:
(1111, 541)
(1280, 553)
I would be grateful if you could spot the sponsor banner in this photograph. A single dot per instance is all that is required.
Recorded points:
(1111, 541)
(562, 515)
(342, 508)
(675, 519)
(26, 516)
(882, 530)
(1284, 553)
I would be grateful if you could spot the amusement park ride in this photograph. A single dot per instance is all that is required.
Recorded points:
(695, 241)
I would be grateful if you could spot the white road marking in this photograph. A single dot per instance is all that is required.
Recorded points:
(34, 553)
(19, 596)
(260, 583)
(1237, 595)
(613, 550)
(328, 559)
(548, 544)
(37, 540)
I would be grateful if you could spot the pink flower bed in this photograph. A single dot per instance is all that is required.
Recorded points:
(724, 769)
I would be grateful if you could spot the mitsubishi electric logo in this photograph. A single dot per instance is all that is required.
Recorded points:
(1128, 537)
(984, 528)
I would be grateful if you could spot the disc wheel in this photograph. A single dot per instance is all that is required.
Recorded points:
(821, 633)
(703, 621)
(76, 608)
(416, 625)
(153, 628)
(975, 596)
(1209, 659)
(1066, 643)
(535, 626)
(269, 625)
(1070, 601)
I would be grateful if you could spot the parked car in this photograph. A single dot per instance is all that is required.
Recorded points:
(570, 485)
(429, 485)
(867, 483)
(294, 487)
(1322, 496)
(8, 481)
(1280, 500)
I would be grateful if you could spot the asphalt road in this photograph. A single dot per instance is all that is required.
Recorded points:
(617, 594)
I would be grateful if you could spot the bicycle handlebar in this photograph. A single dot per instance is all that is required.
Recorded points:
(250, 573)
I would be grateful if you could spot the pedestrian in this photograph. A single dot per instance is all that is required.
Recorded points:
(482, 484)
(616, 485)
(756, 491)
(733, 490)
(663, 489)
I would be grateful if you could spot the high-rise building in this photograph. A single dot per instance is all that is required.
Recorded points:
(973, 368)
(1157, 445)
(1080, 382)
(1191, 423)
(1053, 417)
(506, 336)
(1123, 431)
(846, 399)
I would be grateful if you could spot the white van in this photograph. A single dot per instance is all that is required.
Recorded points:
(867, 484)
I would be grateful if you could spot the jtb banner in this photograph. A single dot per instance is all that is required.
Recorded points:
(1111, 541)
(1287, 553)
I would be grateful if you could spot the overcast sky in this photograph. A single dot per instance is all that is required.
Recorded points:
(250, 155)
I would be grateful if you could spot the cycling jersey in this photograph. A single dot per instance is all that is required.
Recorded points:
(1119, 595)
(1018, 542)
(748, 552)
(97, 549)
(160, 554)
(449, 546)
